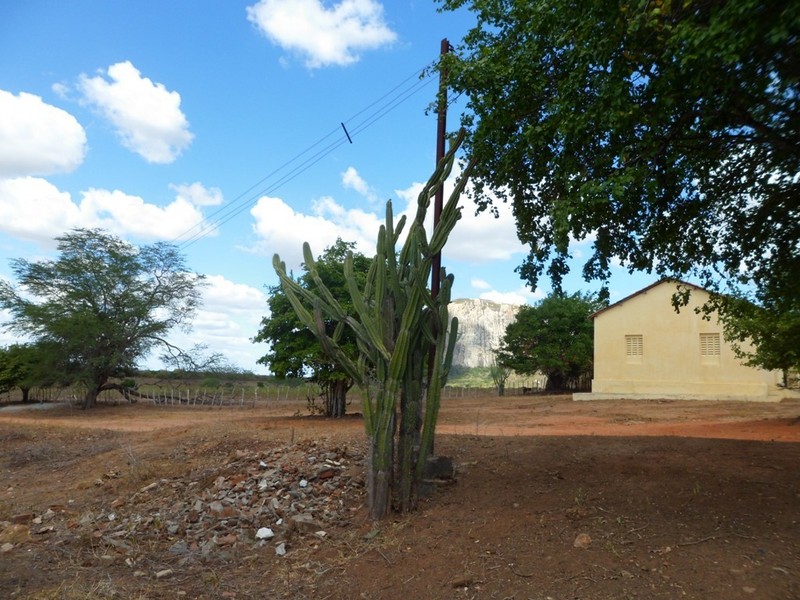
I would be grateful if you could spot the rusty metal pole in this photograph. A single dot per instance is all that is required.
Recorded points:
(441, 133)
(438, 202)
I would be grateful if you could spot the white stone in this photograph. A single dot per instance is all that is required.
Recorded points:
(265, 533)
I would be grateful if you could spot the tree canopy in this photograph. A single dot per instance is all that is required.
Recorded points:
(101, 305)
(762, 335)
(555, 337)
(25, 366)
(295, 351)
(666, 133)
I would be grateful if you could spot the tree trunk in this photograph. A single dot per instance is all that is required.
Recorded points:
(26, 393)
(90, 400)
(556, 382)
(501, 389)
(336, 398)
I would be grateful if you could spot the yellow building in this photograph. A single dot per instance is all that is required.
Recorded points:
(643, 349)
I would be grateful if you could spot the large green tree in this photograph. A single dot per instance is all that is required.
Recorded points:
(555, 337)
(666, 132)
(295, 351)
(102, 305)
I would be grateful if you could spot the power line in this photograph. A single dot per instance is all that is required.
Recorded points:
(393, 98)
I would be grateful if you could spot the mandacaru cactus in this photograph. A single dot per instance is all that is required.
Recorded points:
(405, 340)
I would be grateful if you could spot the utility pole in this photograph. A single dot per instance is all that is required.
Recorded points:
(438, 202)
(441, 132)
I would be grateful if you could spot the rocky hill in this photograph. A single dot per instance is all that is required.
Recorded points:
(481, 326)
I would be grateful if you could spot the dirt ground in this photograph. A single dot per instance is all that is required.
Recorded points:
(552, 499)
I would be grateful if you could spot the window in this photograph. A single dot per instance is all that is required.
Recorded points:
(634, 348)
(709, 347)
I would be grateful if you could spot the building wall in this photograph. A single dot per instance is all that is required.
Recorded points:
(676, 356)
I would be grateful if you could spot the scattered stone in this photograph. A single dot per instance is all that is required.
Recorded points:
(179, 547)
(462, 582)
(6, 547)
(439, 467)
(226, 540)
(251, 497)
(23, 518)
(749, 590)
(304, 523)
(583, 541)
(326, 473)
(265, 533)
(164, 573)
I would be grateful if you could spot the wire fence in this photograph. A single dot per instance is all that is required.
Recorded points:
(238, 395)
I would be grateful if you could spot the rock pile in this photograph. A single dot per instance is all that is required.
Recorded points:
(253, 500)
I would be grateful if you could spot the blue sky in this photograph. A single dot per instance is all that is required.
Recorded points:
(159, 120)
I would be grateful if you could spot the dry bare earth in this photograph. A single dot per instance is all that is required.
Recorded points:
(663, 499)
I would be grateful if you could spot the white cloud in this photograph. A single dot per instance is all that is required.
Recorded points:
(37, 138)
(324, 36)
(197, 194)
(283, 230)
(480, 284)
(229, 317)
(476, 238)
(123, 214)
(34, 209)
(521, 296)
(221, 294)
(146, 115)
(352, 180)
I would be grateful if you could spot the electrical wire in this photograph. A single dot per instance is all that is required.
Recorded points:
(393, 98)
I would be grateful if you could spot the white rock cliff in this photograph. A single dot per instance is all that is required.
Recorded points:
(481, 326)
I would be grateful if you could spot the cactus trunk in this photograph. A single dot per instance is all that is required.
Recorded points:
(400, 329)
